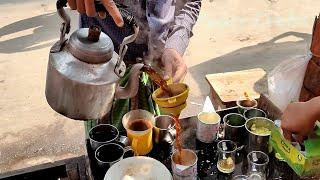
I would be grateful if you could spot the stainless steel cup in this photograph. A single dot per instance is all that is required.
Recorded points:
(164, 129)
(234, 129)
(124, 140)
(207, 126)
(245, 105)
(258, 142)
(102, 134)
(187, 170)
(254, 112)
(108, 154)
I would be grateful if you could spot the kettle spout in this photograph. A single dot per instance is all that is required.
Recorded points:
(132, 86)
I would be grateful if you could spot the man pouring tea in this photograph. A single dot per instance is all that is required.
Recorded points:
(165, 29)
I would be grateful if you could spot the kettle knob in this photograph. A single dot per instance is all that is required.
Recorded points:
(94, 33)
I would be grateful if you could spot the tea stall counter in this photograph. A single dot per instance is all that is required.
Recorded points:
(206, 153)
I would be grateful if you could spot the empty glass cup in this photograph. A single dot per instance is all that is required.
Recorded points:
(257, 165)
(226, 156)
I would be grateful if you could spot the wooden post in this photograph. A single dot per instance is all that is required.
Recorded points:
(311, 84)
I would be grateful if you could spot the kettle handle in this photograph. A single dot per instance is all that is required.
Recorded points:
(128, 19)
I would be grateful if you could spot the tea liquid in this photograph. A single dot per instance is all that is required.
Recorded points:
(187, 158)
(178, 139)
(102, 134)
(156, 78)
(226, 165)
(140, 125)
(109, 153)
(247, 103)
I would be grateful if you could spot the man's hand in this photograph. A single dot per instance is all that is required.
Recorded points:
(299, 118)
(174, 66)
(88, 7)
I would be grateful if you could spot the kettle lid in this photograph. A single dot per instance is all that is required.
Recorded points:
(90, 45)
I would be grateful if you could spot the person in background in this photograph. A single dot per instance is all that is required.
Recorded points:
(299, 118)
(165, 29)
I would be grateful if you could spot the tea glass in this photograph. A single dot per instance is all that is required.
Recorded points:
(141, 141)
(226, 156)
(257, 165)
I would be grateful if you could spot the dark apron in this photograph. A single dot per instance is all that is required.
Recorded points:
(143, 99)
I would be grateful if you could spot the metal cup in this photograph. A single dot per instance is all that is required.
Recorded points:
(245, 105)
(164, 129)
(124, 140)
(102, 134)
(187, 168)
(108, 154)
(254, 112)
(207, 126)
(258, 142)
(234, 129)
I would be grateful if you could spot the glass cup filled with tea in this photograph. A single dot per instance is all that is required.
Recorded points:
(139, 124)
(102, 134)
(257, 165)
(226, 156)
(108, 154)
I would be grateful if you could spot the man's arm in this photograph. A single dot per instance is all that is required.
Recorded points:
(181, 30)
(169, 30)
(171, 33)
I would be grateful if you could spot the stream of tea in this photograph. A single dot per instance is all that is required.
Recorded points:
(157, 78)
(178, 138)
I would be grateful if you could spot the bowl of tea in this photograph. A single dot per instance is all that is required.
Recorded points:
(177, 95)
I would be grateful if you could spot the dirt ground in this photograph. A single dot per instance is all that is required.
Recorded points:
(230, 35)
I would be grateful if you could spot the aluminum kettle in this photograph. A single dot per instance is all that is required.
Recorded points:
(83, 71)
